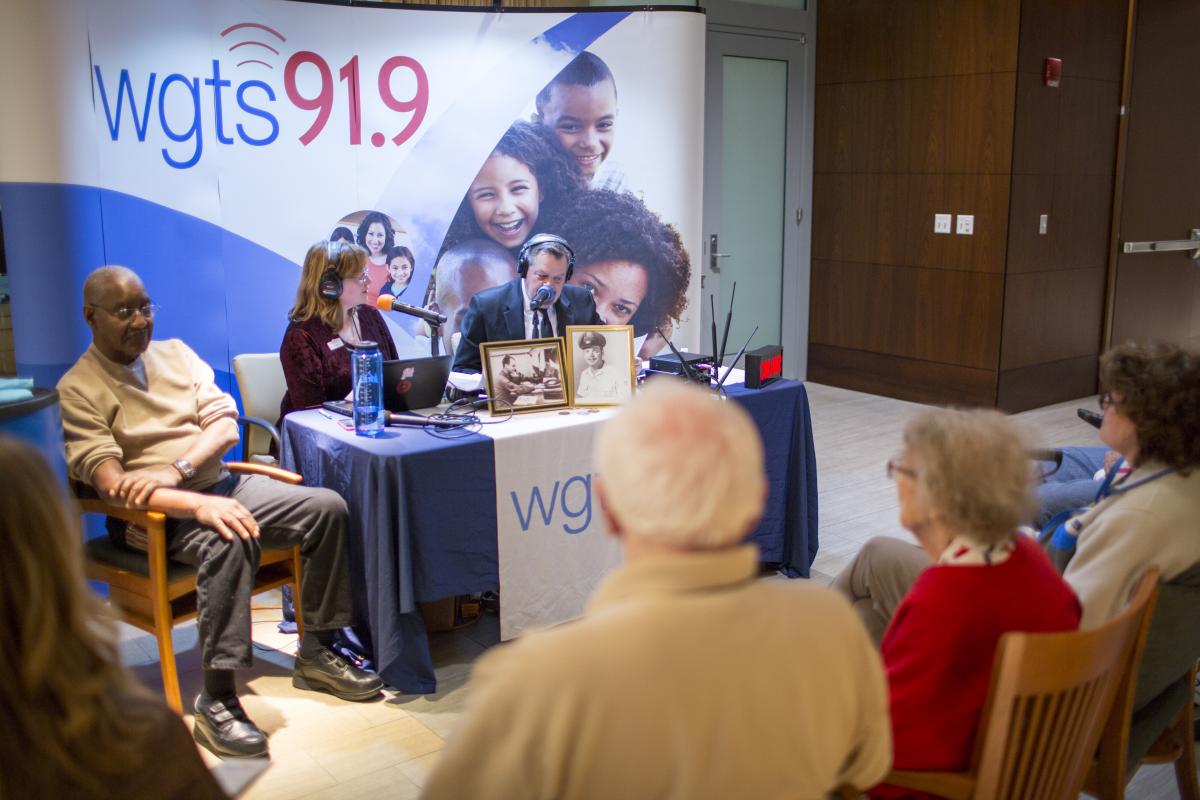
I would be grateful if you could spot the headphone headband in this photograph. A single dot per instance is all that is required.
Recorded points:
(526, 255)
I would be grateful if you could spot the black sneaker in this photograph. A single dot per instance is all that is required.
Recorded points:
(223, 727)
(329, 672)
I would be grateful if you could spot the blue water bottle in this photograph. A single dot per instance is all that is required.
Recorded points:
(367, 375)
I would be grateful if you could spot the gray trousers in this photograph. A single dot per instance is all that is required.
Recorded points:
(878, 578)
(314, 519)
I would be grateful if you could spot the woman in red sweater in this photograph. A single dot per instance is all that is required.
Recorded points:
(330, 315)
(964, 485)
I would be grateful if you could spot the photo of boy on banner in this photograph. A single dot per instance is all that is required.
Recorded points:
(580, 107)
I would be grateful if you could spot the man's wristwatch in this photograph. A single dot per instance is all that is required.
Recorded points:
(185, 469)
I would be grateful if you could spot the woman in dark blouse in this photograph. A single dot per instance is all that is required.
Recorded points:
(328, 317)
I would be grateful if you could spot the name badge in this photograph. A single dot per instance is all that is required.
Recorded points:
(334, 344)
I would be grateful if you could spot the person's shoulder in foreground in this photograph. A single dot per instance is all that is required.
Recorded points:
(687, 676)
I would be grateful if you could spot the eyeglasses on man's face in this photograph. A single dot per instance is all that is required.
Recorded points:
(894, 468)
(125, 313)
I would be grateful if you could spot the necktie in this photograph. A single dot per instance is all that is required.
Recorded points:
(543, 330)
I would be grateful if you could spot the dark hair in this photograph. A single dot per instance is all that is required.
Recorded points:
(370, 219)
(586, 69)
(557, 174)
(401, 251)
(603, 225)
(342, 234)
(1158, 388)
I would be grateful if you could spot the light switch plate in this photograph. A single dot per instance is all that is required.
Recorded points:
(941, 223)
(1043, 223)
(966, 225)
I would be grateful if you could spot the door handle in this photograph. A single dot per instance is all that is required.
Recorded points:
(1192, 245)
(713, 255)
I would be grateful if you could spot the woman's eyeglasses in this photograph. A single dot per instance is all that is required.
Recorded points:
(1107, 401)
(894, 467)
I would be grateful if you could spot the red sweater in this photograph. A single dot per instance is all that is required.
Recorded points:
(939, 649)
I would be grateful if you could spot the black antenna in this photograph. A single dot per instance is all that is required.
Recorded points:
(712, 305)
(739, 355)
(725, 336)
(687, 368)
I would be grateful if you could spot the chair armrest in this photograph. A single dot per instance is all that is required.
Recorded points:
(137, 516)
(276, 473)
(952, 785)
(259, 422)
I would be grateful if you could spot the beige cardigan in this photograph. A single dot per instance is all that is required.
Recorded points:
(687, 678)
(108, 412)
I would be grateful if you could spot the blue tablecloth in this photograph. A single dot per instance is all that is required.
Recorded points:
(423, 515)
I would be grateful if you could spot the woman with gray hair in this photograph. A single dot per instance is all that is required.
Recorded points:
(964, 486)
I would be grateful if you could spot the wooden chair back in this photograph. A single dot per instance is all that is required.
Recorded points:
(1050, 694)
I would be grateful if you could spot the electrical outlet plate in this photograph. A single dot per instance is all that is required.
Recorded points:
(966, 225)
(941, 223)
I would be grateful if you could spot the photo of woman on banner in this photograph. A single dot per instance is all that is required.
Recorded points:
(580, 107)
(400, 266)
(331, 313)
(632, 262)
(519, 191)
(376, 235)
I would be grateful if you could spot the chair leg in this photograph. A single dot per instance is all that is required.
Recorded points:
(166, 658)
(297, 566)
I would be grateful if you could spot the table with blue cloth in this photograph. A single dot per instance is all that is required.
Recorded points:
(423, 514)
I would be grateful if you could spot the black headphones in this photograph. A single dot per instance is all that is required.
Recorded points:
(330, 285)
(526, 254)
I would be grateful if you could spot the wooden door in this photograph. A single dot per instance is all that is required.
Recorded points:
(1156, 295)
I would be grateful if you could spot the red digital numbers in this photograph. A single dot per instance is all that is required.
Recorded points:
(322, 102)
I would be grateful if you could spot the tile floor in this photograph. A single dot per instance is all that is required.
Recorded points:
(323, 748)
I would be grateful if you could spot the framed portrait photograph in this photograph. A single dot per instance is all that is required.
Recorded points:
(600, 363)
(524, 375)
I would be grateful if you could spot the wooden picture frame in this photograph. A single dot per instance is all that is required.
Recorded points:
(524, 375)
(611, 347)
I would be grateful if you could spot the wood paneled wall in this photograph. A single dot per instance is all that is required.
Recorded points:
(932, 106)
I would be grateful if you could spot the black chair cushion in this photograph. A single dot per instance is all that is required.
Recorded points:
(104, 551)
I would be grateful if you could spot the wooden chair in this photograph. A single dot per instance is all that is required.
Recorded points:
(1152, 718)
(1050, 694)
(154, 593)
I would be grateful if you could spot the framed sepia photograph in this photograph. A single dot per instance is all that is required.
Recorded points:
(600, 364)
(524, 375)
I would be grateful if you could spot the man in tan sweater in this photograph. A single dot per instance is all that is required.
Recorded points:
(146, 427)
(688, 676)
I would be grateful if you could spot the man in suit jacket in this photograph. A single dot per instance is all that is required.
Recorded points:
(503, 313)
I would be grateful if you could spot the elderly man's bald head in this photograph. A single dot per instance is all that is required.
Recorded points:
(682, 468)
(464, 271)
(118, 311)
(103, 280)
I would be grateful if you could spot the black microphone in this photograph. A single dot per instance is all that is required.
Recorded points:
(386, 302)
(541, 297)
(1094, 418)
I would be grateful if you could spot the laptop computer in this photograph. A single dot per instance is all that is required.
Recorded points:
(408, 384)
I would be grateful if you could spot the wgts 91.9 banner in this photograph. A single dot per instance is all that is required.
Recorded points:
(209, 145)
